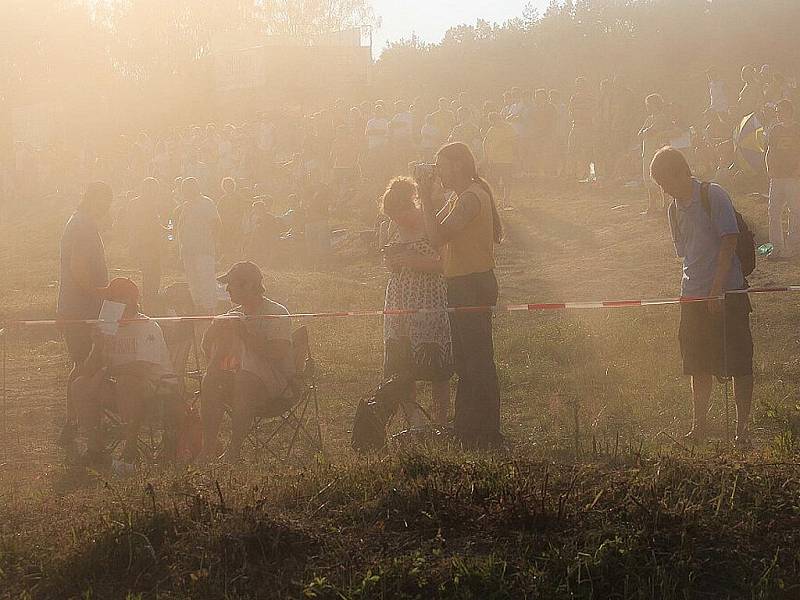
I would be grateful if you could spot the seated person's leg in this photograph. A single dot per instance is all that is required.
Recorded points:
(216, 390)
(89, 394)
(250, 393)
(173, 410)
(133, 393)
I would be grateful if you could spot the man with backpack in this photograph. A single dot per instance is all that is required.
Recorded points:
(718, 252)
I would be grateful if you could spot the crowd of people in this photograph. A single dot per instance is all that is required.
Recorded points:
(231, 196)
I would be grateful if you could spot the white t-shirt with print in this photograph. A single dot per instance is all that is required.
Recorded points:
(140, 341)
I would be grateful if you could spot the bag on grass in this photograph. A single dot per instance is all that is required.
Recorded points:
(374, 412)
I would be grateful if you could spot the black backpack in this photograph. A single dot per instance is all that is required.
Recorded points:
(375, 411)
(746, 241)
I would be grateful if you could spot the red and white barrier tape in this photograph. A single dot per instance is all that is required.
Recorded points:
(509, 308)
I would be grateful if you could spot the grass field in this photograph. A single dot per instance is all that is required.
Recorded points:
(595, 498)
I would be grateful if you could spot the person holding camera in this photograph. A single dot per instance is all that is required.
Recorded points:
(417, 345)
(466, 230)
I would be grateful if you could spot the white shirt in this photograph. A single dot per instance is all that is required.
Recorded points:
(196, 227)
(140, 341)
(377, 132)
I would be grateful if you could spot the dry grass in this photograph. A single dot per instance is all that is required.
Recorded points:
(595, 499)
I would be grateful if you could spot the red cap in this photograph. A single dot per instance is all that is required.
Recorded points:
(122, 290)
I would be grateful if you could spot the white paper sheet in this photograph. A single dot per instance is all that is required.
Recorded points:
(110, 314)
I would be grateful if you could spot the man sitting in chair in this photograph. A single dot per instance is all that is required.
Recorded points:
(250, 361)
(123, 372)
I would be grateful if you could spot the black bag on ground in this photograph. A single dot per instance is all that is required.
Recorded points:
(745, 242)
(374, 412)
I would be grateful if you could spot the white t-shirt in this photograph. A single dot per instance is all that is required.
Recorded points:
(274, 374)
(140, 341)
(196, 227)
(377, 132)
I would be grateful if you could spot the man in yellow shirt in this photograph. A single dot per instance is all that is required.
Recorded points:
(499, 152)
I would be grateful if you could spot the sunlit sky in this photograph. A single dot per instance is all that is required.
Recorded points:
(430, 19)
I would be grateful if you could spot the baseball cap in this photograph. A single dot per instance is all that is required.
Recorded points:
(245, 271)
(122, 290)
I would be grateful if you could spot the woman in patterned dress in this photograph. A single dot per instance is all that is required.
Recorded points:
(417, 346)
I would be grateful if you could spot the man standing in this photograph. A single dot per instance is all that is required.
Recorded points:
(783, 167)
(443, 119)
(198, 228)
(83, 272)
(146, 216)
(498, 152)
(582, 109)
(467, 133)
(543, 125)
(750, 97)
(714, 336)
(401, 135)
(377, 135)
(718, 99)
(232, 208)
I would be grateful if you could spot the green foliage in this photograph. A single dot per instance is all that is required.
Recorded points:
(653, 45)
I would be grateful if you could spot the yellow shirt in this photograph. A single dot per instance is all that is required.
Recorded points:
(472, 249)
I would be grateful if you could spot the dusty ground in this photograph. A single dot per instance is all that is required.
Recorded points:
(592, 386)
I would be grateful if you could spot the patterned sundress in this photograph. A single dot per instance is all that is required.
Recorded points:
(418, 345)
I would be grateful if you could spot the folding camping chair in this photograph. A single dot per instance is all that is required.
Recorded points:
(161, 430)
(298, 420)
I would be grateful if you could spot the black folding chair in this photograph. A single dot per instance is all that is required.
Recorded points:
(174, 392)
(302, 420)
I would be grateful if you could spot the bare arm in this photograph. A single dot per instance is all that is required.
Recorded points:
(447, 223)
(724, 262)
(209, 339)
(96, 359)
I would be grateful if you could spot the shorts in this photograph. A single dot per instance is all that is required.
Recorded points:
(702, 339)
(78, 337)
(247, 387)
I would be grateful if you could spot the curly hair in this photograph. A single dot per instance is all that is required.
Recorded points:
(401, 193)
